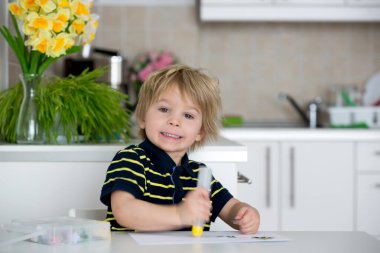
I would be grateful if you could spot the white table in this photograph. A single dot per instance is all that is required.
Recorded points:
(302, 242)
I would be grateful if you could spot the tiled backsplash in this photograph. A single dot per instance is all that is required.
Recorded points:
(253, 61)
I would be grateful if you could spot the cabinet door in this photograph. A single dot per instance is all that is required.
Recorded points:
(317, 186)
(311, 2)
(259, 2)
(262, 192)
(364, 2)
(369, 204)
(226, 174)
(49, 189)
(368, 157)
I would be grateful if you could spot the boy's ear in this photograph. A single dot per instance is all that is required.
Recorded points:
(141, 123)
(200, 136)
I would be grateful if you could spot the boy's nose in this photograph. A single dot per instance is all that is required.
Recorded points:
(174, 121)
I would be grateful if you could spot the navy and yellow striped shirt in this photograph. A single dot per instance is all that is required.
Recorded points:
(149, 174)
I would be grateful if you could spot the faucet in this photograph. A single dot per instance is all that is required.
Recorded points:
(310, 119)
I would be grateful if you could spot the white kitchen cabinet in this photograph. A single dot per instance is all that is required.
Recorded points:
(317, 186)
(368, 157)
(290, 10)
(363, 2)
(310, 2)
(368, 212)
(47, 180)
(262, 193)
(368, 187)
(300, 185)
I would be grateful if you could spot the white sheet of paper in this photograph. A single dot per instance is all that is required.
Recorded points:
(185, 237)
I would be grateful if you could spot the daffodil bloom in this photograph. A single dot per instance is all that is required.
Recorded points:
(80, 10)
(63, 3)
(69, 42)
(60, 20)
(63, 15)
(28, 5)
(77, 26)
(58, 26)
(59, 44)
(39, 41)
(16, 10)
(36, 21)
(47, 5)
(27, 30)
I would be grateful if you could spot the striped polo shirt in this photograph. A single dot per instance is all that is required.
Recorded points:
(149, 174)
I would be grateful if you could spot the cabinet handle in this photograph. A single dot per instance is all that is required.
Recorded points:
(292, 177)
(242, 179)
(268, 176)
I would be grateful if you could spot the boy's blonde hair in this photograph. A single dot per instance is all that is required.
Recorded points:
(201, 88)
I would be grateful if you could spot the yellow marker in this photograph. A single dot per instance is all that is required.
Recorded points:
(197, 230)
(204, 180)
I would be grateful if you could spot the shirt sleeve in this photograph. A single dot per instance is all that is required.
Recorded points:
(219, 197)
(126, 173)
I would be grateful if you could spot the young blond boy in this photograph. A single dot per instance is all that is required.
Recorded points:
(152, 186)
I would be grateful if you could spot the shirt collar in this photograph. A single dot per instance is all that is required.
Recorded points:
(161, 159)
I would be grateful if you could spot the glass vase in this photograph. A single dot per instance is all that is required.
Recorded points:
(29, 130)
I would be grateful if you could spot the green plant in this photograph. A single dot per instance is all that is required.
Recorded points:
(72, 107)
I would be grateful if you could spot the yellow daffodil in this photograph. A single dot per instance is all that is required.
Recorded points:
(77, 26)
(60, 20)
(36, 21)
(58, 26)
(63, 15)
(28, 5)
(27, 30)
(63, 3)
(69, 42)
(80, 10)
(59, 45)
(16, 10)
(47, 5)
(39, 41)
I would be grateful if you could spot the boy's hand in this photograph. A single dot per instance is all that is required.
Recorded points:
(196, 206)
(247, 219)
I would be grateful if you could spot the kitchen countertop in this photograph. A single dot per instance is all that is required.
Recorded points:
(311, 242)
(222, 150)
(301, 134)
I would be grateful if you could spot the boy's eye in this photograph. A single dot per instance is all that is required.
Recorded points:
(163, 109)
(189, 116)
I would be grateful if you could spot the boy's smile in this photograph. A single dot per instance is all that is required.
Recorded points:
(173, 123)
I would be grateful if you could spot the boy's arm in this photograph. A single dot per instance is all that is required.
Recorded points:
(240, 216)
(144, 216)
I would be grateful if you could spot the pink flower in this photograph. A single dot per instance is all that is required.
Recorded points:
(145, 72)
(165, 59)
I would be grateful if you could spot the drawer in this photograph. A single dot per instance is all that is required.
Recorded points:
(368, 156)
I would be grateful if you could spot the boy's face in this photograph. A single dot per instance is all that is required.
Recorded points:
(173, 123)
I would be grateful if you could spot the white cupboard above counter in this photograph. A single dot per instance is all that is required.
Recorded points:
(290, 10)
